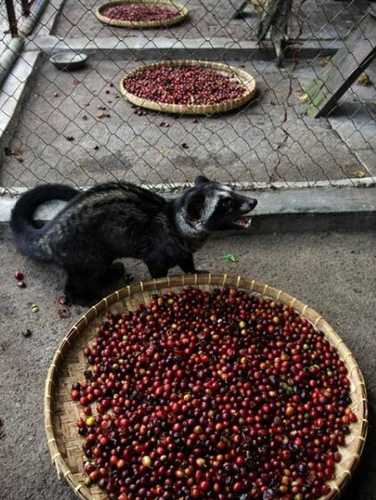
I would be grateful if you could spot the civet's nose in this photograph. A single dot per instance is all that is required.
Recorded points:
(248, 204)
(252, 203)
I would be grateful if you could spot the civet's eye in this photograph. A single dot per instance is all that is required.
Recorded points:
(225, 202)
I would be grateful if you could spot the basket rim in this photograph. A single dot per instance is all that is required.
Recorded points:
(212, 279)
(248, 82)
(184, 12)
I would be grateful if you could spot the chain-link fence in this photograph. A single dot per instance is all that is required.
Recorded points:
(63, 125)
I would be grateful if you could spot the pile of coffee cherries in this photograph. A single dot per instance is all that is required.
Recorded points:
(139, 13)
(215, 395)
(188, 85)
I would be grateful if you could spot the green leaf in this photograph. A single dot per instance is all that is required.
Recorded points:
(286, 387)
(229, 256)
(359, 173)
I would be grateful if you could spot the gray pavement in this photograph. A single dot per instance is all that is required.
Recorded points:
(60, 135)
(333, 272)
(65, 135)
(214, 18)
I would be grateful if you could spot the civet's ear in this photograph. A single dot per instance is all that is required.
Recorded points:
(194, 205)
(201, 179)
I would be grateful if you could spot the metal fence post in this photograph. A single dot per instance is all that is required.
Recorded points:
(11, 18)
(25, 7)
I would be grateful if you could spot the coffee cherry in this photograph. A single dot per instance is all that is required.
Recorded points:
(188, 85)
(139, 13)
(146, 461)
(63, 300)
(189, 406)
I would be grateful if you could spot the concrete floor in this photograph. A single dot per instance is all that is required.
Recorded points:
(63, 136)
(332, 272)
(214, 18)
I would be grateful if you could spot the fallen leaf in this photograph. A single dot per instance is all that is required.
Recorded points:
(230, 257)
(303, 98)
(364, 80)
(286, 387)
(16, 154)
(325, 62)
(359, 173)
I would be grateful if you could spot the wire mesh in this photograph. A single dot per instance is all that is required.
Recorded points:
(74, 126)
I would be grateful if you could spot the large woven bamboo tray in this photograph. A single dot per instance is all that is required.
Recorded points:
(237, 74)
(61, 413)
(183, 13)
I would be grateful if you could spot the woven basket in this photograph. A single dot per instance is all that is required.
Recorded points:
(61, 413)
(237, 74)
(183, 13)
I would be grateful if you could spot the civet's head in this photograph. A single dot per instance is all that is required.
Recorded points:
(211, 206)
